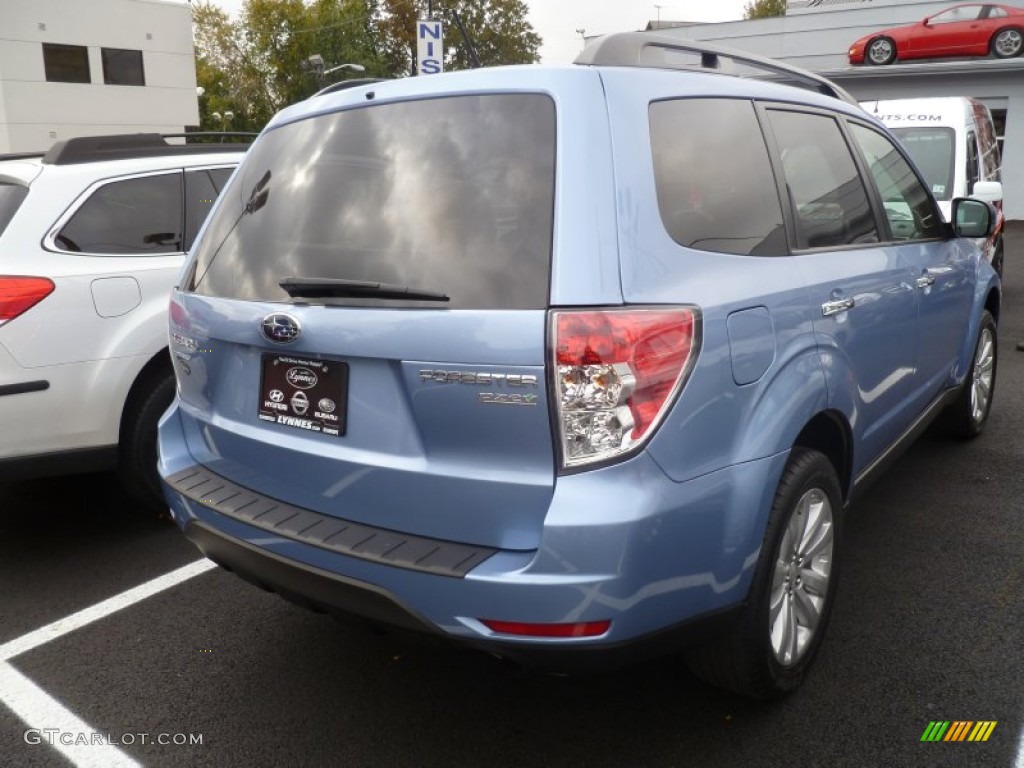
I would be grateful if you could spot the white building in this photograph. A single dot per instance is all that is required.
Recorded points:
(82, 67)
(816, 35)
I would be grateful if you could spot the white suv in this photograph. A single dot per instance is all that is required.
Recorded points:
(92, 237)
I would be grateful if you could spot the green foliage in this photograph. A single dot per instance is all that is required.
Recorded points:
(762, 9)
(258, 64)
(498, 28)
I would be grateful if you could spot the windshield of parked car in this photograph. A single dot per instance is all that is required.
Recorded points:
(450, 195)
(932, 150)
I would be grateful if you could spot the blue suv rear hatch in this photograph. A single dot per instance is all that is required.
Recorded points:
(367, 311)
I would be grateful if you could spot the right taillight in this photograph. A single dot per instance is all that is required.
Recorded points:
(18, 294)
(616, 372)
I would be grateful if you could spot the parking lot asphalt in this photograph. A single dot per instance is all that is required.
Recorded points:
(928, 625)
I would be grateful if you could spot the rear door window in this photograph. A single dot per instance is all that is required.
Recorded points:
(827, 193)
(453, 195)
(141, 215)
(714, 181)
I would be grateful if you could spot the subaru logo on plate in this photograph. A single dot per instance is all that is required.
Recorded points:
(281, 328)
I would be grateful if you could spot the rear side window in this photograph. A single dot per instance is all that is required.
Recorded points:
(715, 186)
(826, 192)
(908, 208)
(133, 216)
(453, 195)
(11, 196)
(201, 190)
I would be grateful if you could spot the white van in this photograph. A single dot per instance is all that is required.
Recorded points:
(952, 140)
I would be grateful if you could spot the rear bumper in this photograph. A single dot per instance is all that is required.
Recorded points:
(665, 562)
(330, 593)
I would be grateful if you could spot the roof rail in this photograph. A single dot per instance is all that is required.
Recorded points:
(21, 155)
(642, 49)
(126, 146)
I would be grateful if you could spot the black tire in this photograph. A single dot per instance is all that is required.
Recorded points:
(966, 418)
(1007, 43)
(880, 51)
(136, 467)
(748, 661)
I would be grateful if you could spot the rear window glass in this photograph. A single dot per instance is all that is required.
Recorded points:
(452, 195)
(932, 151)
(716, 191)
(11, 196)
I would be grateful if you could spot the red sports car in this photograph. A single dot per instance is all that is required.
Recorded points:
(963, 30)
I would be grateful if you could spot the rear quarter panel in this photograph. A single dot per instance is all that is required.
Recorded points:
(716, 421)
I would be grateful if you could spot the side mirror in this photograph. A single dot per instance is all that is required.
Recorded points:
(973, 218)
(989, 191)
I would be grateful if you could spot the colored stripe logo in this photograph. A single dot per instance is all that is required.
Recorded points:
(958, 730)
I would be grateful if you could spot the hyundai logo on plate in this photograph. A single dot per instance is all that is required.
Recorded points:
(281, 328)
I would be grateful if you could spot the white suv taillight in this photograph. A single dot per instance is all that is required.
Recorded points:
(19, 294)
(616, 372)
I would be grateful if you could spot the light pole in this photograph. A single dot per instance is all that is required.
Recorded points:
(344, 68)
(316, 65)
(224, 119)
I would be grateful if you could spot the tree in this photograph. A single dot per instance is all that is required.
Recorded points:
(218, 71)
(498, 28)
(500, 31)
(762, 9)
(260, 64)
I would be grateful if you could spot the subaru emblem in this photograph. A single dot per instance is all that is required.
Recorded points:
(281, 328)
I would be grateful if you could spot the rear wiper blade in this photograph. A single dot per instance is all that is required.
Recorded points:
(330, 287)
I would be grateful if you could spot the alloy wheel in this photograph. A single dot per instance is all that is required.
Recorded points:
(983, 373)
(880, 51)
(801, 577)
(1008, 43)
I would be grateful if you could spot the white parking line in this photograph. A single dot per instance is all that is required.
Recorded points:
(38, 710)
(101, 610)
(1019, 762)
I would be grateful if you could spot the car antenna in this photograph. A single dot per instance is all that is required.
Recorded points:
(474, 60)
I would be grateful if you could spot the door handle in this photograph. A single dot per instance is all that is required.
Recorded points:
(830, 308)
(925, 281)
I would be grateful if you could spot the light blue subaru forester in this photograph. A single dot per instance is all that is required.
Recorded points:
(571, 364)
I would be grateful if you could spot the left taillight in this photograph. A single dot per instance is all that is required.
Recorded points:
(616, 373)
(18, 294)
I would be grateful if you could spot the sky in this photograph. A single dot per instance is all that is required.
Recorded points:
(557, 21)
